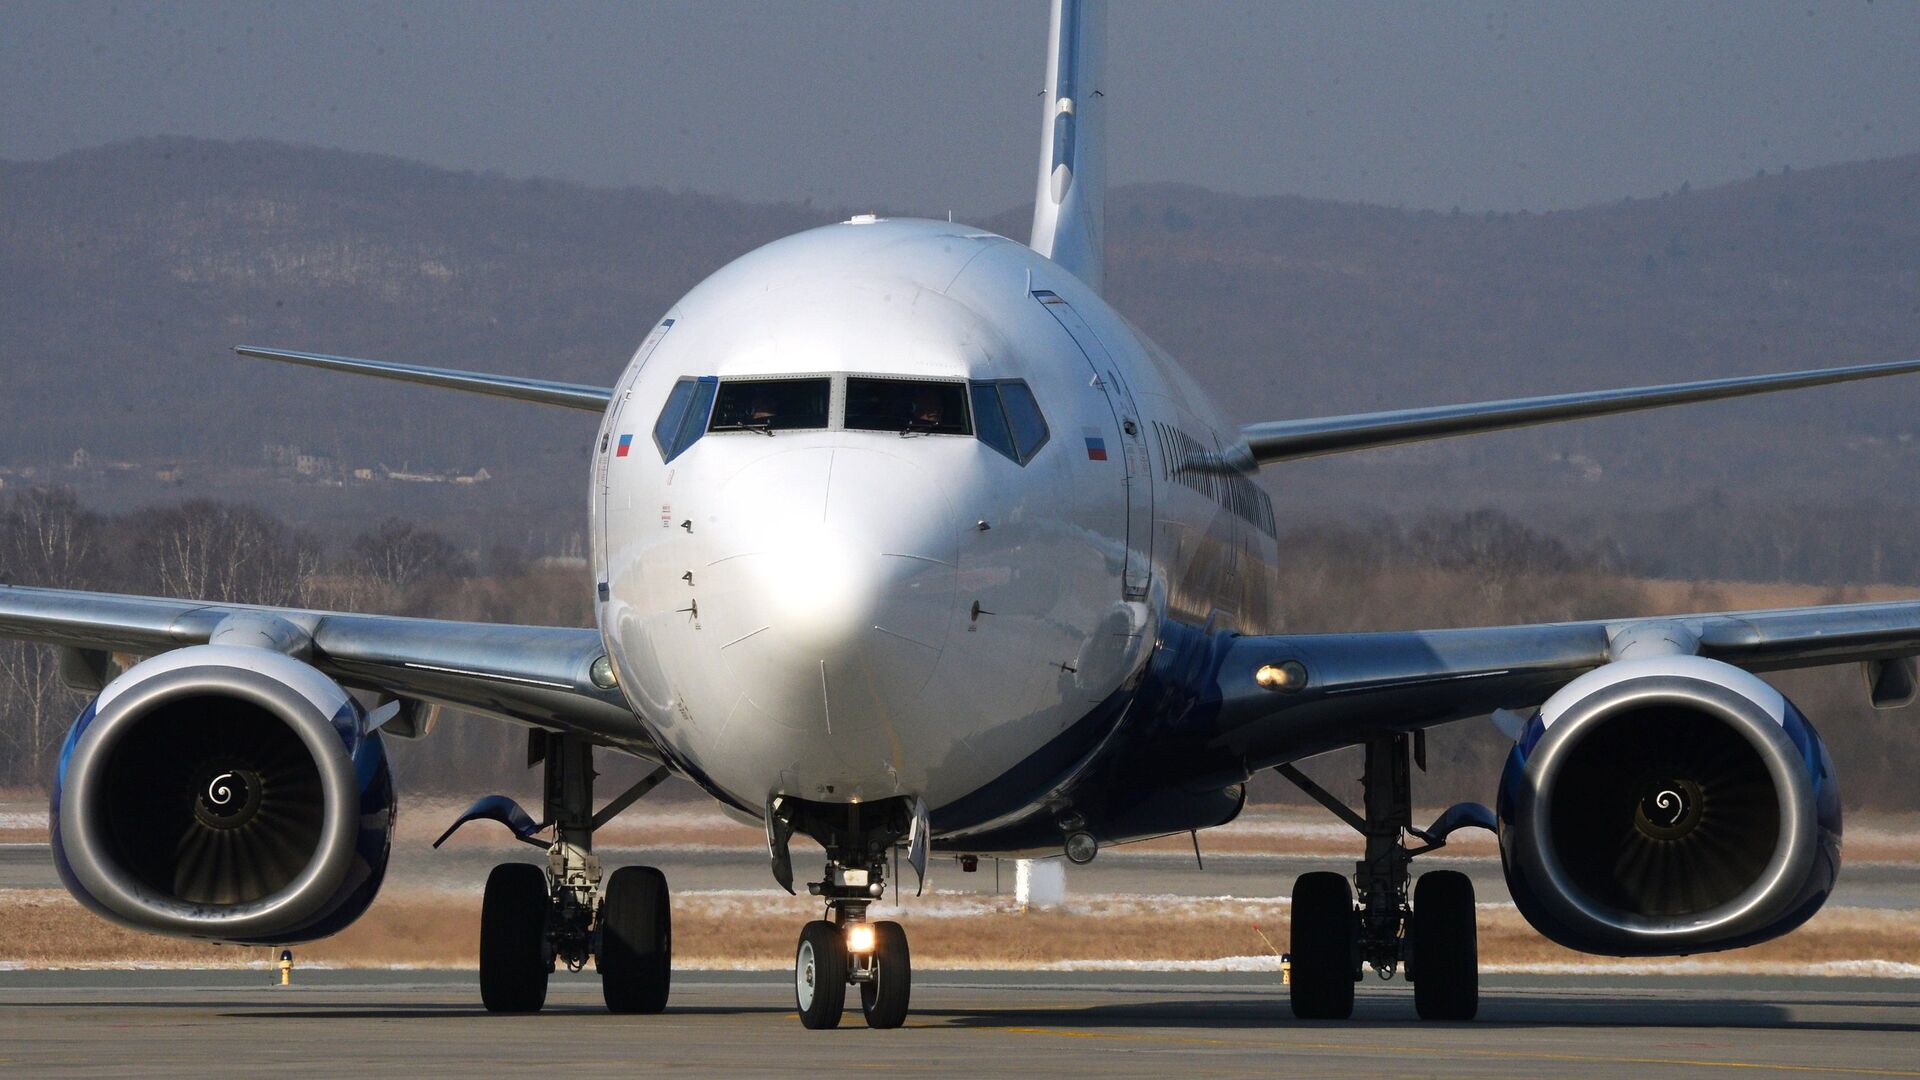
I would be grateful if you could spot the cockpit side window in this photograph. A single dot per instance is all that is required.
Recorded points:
(907, 406)
(1008, 418)
(683, 417)
(770, 405)
(1023, 415)
(990, 419)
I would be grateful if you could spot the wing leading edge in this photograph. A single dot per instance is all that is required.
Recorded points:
(539, 391)
(540, 675)
(1288, 440)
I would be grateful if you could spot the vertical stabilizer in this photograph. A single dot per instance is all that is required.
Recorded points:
(1070, 200)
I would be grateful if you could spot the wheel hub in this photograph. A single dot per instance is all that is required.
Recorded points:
(807, 974)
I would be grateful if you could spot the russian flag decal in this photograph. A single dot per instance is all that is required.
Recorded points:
(1096, 449)
(626, 443)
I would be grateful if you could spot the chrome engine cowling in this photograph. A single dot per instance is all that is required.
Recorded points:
(225, 793)
(1665, 806)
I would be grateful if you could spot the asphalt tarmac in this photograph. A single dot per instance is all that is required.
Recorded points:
(160, 1023)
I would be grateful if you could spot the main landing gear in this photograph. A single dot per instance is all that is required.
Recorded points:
(533, 917)
(1334, 939)
(845, 949)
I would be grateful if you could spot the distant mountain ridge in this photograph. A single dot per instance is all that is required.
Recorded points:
(127, 271)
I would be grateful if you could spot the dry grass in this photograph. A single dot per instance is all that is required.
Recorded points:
(1680, 597)
(417, 928)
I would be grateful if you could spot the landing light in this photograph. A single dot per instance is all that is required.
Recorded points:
(860, 938)
(1286, 676)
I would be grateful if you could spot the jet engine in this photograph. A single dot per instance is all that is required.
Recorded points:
(1668, 805)
(224, 792)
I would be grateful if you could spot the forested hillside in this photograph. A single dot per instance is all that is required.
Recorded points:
(126, 272)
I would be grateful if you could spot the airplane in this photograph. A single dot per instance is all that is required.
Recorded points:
(905, 541)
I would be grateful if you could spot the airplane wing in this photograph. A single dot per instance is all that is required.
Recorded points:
(539, 391)
(1289, 440)
(1347, 688)
(538, 675)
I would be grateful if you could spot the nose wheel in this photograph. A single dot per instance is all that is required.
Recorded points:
(889, 983)
(872, 956)
(820, 975)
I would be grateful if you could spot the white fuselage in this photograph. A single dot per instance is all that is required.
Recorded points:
(846, 615)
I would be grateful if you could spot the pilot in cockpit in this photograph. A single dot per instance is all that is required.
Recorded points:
(763, 410)
(927, 411)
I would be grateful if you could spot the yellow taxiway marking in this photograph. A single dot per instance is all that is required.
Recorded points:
(1463, 1051)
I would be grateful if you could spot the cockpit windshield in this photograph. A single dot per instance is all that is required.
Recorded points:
(771, 405)
(1001, 413)
(907, 406)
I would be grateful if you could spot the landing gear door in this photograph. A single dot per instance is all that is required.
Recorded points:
(1133, 442)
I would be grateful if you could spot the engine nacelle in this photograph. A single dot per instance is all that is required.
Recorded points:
(1665, 806)
(226, 793)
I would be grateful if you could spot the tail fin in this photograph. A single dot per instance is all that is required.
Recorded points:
(1070, 200)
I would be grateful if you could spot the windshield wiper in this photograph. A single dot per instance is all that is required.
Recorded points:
(919, 426)
(764, 427)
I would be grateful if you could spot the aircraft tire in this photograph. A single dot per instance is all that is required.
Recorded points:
(513, 939)
(884, 999)
(1321, 946)
(1446, 947)
(820, 975)
(636, 941)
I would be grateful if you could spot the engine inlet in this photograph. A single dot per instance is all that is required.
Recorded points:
(216, 801)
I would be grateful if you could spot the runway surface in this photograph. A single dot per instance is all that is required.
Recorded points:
(148, 1023)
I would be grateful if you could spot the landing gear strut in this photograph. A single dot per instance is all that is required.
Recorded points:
(845, 948)
(1339, 931)
(534, 917)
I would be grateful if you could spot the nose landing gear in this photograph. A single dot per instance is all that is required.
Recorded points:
(846, 949)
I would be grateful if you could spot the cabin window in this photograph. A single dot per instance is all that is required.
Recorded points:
(908, 406)
(1008, 418)
(770, 405)
(684, 416)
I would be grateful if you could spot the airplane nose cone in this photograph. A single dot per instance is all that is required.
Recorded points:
(830, 590)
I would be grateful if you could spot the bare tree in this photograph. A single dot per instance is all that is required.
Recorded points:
(35, 713)
(400, 554)
(217, 551)
(48, 539)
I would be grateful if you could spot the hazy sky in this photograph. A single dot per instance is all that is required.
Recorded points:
(933, 106)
